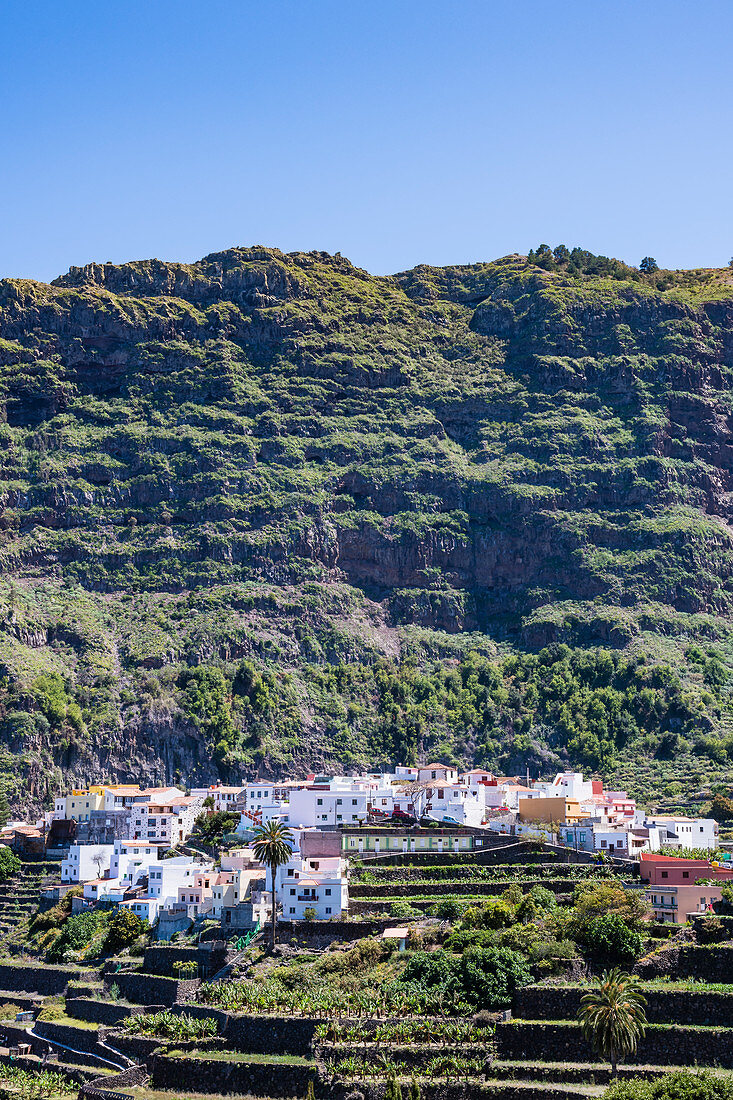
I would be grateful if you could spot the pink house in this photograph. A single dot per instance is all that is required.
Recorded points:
(660, 870)
(677, 904)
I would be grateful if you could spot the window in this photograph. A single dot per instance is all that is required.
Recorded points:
(665, 874)
(291, 909)
(328, 910)
(353, 802)
(339, 801)
(685, 874)
(292, 893)
(328, 893)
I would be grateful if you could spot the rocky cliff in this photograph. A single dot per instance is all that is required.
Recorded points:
(256, 510)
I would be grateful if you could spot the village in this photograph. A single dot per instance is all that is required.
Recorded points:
(421, 929)
(150, 851)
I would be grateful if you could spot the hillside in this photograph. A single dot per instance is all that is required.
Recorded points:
(268, 511)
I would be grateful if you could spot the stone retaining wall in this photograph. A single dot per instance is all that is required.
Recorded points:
(152, 989)
(661, 1045)
(439, 887)
(108, 1086)
(99, 1012)
(245, 1078)
(47, 980)
(271, 1034)
(328, 930)
(664, 1006)
(79, 1037)
(159, 960)
(139, 1047)
(708, 964)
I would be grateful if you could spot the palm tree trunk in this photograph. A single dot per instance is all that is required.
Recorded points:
(614, 1066)
(274, 909)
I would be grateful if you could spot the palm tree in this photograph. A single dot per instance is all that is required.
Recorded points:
(273, 846)
(612, 1015)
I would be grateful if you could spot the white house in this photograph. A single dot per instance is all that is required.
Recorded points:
(86, 861)
(454, 803)
(146, 908)
(316, 887)
(685, 832)
(167, 876)
(566, 785)
(444, 773)
(131, 860)
(318, 806)
(627, 841)
(169, 820)
(224, 798)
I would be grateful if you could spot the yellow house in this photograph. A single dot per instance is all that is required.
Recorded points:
(79, 804)
(563, 811)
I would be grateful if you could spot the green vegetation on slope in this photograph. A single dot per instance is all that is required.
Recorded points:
(225, 484)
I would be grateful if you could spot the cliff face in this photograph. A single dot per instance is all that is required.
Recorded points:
(282, 460)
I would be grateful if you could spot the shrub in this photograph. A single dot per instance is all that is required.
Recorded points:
(402, 910)
(596, 899)
(611, 938)
(185, 968)
(77, 934)
(9, 863)
(211, 827)
(710, 930)
(683, 1085)
(483, 977)
(124, 928)
(542, 897)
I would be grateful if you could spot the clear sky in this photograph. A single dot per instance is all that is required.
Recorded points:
(394, 131)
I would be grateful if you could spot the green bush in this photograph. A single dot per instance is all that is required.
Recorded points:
(610, 938)
(185, 968)
(483, 977)
(9, 863)
(682, 1085)
(77, 933)
(710, 930)
(124, 928)
(402, 910)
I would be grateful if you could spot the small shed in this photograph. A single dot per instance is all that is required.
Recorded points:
(399, 934)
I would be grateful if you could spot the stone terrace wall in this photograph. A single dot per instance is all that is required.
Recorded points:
(271, 1034)
(708, 964)
(151, 989)
(47, 980)
(80, 1038)
(99, 1012)
(159, 960)
(286, 1081)
(388, 891)
(683, 1045)
(664, 1006)
(245, 1078)
(328, 931)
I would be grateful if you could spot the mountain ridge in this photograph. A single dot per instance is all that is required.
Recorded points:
(366, 473)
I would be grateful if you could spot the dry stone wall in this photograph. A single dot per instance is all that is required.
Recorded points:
(661, 1045)
(664, 1006)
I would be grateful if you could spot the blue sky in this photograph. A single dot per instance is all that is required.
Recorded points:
(395, 132)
